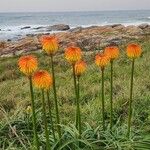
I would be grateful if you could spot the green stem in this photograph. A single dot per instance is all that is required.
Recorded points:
(111, 96)
(28, 118)
(78, 106)
(55, 98)
(36, 141)
(103, 105)
(130, 101)
(45, 122)
(50, 115)
(76, 94)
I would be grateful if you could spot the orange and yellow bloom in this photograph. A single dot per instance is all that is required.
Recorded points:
(49, 44)
(112, 52)
(134, 50)
(28, 64)
(73, 54)
(42, 80)
(80, 68)
(102, 60)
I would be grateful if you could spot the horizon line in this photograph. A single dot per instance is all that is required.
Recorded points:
(73, 11)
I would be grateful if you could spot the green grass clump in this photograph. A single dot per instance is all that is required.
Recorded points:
(16, 127)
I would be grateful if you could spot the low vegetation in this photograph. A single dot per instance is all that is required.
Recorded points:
(16, 122)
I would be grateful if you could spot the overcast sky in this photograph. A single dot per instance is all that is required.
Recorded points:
(71, 5)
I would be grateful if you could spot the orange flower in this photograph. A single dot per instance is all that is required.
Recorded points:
(102, 60)
(49, 44)
(134, 50)
(80, 67)
(112, 52)
(28, 64)
(42, 80)
(73, 54)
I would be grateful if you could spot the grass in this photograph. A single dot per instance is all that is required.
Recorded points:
(15, 98)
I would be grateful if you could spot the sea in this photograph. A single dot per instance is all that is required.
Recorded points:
(11, 23)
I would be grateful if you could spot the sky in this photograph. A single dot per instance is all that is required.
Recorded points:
(71, 5)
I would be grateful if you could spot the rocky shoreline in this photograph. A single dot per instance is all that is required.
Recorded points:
(89, 38)
(57, 27)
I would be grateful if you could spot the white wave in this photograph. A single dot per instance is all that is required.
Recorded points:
(15, 32)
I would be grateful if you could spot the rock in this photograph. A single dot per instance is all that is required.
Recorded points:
(37, 28)
(115, 39)
(27, 27)
(30, 35)
(8, 40)
(77, 29)
(147, 30)
(143, 26)
(0, 29)
(59, 27)
(116, 25)
(91, 27)
(2, 44)
(119, 27)
(133, 30)
(89, 43)
(89, 39)
(24, 45)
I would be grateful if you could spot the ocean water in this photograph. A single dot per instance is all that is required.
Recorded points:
(11, 23)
